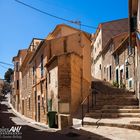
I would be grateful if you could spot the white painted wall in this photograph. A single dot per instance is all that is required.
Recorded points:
(97, 48)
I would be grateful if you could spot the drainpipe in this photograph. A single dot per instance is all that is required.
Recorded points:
(132, 45)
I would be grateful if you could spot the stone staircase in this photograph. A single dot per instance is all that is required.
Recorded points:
(113, 105)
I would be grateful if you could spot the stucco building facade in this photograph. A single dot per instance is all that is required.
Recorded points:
(56, 74)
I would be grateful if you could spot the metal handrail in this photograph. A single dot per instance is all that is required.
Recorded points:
(87, 99)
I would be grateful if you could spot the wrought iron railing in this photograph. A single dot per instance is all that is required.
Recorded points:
(88, 103)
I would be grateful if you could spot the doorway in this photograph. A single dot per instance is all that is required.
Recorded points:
(38, 118)
(117, 76)
(35, 105)
(22, 107)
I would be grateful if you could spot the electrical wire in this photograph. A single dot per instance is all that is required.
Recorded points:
(60, 18)
(3, 66)
(6, 63)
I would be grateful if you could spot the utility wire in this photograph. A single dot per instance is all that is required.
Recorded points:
(60, 18)
(6, 63)
(54, 16)
(3, 66)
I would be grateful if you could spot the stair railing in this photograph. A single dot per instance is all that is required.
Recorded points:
(89, 101)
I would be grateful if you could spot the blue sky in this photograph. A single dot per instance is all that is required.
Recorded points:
(19, 24)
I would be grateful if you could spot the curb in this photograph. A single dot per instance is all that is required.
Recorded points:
(31, 121)
(128, 126)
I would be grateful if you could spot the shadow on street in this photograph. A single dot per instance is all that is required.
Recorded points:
(29, 133)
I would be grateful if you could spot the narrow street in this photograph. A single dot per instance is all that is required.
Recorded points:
(30, 131)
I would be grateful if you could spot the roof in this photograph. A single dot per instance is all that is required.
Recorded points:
(37, 50)
(20, 52)
(88, 35)
(112, 28)
(120, 41)
(116, 40)
(53, 32)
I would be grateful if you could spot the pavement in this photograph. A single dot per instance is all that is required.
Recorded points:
(122, 122)
(33, 130)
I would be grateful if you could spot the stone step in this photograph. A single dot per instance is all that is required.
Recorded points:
(117, 99)
(111, 115)
(102, 115)
(120, 110)
(129, 123)
(114, 97)
(119, 107)
(121, 103)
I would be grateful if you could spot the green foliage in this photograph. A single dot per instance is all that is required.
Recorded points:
(122, 85)
(8, 75)
(115, 84)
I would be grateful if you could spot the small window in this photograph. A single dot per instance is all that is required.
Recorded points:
(110, 72)
(127, 74)
(17, 84)
(17, 66)
(100, 67)
(33, 73)
(116, 57)
(49, 77)
(29, 103)
(130, 84)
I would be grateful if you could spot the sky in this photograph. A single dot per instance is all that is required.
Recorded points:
(19, 24)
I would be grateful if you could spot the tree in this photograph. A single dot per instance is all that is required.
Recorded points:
(8, 75)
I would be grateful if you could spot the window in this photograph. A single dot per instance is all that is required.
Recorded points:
(107, 72)
(42, 101)
(17, 84)
(33, 75)
(116, 57)
(130, 83)
(100, 67)
(17, 68)
(42, 68)
(49, 77)
(29, 103)
(110, 71)
(127, 74)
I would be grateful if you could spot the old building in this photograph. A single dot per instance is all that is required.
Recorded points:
(27, 104)
(116, 68)
(53, 81)
(56, 74)
(100, 39)
(124, 65)
(16, 86)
